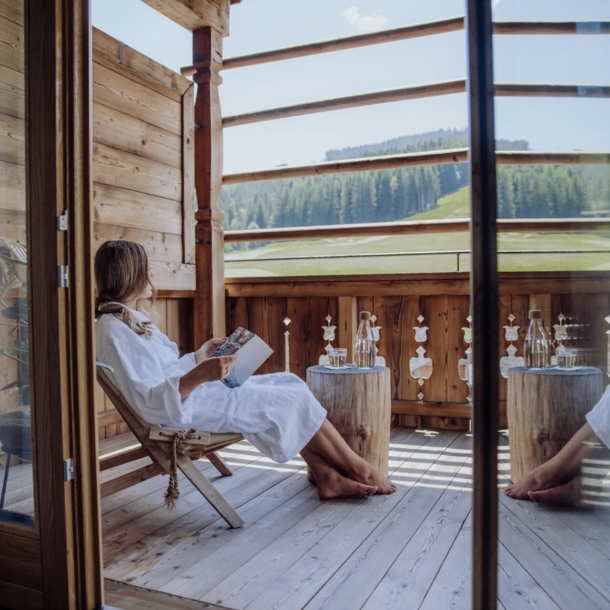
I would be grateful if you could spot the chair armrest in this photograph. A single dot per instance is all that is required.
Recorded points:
(159, 433)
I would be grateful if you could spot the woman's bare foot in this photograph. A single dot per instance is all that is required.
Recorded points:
(337, 486)
(567, 494)
(536, 480)
(368, 475)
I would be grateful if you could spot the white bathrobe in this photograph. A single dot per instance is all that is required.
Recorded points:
(599, 418)
(277, 413)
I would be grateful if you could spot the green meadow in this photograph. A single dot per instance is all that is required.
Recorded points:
(354, 251)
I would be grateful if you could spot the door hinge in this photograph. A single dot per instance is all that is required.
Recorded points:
(62, 276)
(68, 470)
(62, 221)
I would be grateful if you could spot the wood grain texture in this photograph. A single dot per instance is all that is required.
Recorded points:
(134, 99)
(359, 407)
(137, 66)
(544, 411)
(195, 14)
(188, 175)
(209, 306)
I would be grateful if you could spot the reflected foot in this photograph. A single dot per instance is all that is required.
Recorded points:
(544, 477)
(567, 494)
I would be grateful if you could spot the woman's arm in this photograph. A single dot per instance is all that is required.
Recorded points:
(211, 369)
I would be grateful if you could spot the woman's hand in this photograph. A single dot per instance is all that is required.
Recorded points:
(210, 369)
(207, 349)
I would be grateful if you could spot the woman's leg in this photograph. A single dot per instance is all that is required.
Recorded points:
(558, 471)
(330, 483)
(329, 444)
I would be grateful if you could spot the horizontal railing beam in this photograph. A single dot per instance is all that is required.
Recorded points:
(458, 225)
(435, 157)
(443, 26)
(350, 101)
(412, 93)
(417, 30)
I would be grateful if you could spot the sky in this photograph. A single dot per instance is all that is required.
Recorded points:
(257, 25)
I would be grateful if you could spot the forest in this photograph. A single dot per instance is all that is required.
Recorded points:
(536, 191)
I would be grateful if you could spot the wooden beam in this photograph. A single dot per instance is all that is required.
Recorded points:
(209, 305)
(188, 175)
(350, 42)
(350, 101)
(436, 157)
(195, 14)
(551, 27)
(454, 225)
(412, 93)
(418, 284)
(547, 90)
(452, 24)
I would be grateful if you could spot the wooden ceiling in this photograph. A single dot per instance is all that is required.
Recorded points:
(195, 14)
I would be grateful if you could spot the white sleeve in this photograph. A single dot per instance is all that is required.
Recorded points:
(187, 362)
(139, 377)
(599, 418)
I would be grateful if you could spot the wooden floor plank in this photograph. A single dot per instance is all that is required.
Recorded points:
(256, 575)
(407, 550)
(549, 569)
(191, 514)
(410, 573)
(299, 584)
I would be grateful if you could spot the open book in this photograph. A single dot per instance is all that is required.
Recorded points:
(253, 351)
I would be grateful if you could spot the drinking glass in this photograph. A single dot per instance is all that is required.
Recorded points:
(337, 357)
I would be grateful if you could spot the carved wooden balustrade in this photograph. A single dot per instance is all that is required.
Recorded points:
(261, 304)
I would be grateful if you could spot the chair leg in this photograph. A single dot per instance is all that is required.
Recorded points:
(209, 492)
(219, 464)
(9, 456)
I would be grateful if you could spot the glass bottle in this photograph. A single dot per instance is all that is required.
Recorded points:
(536, 346)
(364, 351)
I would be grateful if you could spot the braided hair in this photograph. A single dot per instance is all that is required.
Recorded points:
(121, 270)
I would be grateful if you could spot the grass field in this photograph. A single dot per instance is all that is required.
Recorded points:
(455, 205)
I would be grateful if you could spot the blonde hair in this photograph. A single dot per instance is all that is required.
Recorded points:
(121, 270)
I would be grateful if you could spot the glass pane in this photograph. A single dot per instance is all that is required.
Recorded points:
(16, 477)
(554, 314)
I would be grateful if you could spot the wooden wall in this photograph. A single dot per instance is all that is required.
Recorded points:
(143, 186)
(443, 299)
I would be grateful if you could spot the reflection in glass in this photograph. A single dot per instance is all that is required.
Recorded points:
(16, 491)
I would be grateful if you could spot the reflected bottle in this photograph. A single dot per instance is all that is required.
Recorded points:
(364, 350)
(536, 346)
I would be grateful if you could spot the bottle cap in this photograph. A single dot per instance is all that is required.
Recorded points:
(535, 314)
(365, 315)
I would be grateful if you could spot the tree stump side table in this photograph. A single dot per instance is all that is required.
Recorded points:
(359, 405)
(545, 407)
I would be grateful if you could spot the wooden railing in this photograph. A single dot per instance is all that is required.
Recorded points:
(454, 225)
(443, 26)
(261, 304)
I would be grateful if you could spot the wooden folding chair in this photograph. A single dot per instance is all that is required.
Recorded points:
(157, 443)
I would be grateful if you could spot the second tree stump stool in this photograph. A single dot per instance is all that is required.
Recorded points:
(545, 407)
(359, 405)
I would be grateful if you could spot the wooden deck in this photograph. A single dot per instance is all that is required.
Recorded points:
(407, 550)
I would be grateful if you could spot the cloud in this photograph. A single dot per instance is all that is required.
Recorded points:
(365, 23)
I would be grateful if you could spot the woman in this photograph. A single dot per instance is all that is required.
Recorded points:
(277, 413)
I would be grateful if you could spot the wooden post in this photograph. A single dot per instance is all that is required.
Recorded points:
(209, 310)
